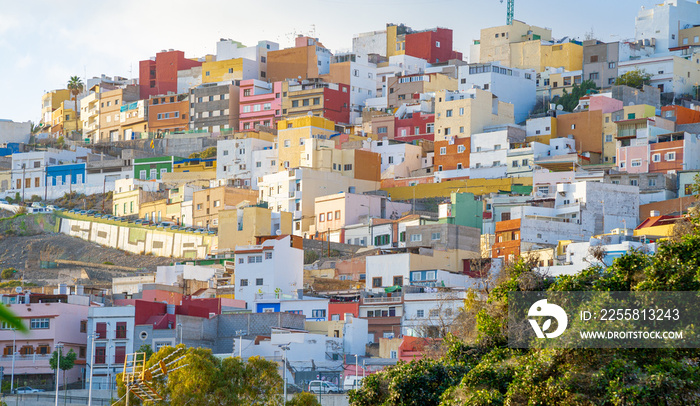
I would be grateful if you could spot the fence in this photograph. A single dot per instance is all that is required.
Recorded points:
(49, 397)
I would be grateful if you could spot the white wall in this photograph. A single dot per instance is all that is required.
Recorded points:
(11, 131)
(283, 271)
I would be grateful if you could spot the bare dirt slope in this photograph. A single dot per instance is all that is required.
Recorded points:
(25, 254)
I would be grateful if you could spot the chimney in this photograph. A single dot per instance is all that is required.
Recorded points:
(654, 213)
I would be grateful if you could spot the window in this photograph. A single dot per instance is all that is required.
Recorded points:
(461, 148)
(83, 326)
(321, 217)
(416, 237)
(382, 130)
(252, 259)
(39, 323)
(652, 181)
(377, 282)
(670, 156)
(318, 313)
(437, 44)
(258, 281)
(656, 158)
(608, 137)
(295, 103)
(241, 260)
(435, 236)
(443, 150)
(593, 76)
(448, 113)
(636, 163)
(100, 355)
(244, 282)
(611, 65)
(268, 255)
(420, 313)
(634, 182)
(121, 329)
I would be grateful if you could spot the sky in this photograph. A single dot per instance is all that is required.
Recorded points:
(44, 43)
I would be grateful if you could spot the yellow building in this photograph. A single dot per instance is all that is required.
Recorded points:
(64, 120)
(355, 163)
(240, 226)
(610, 126)
(293, 133)
(130, 194)
(495, 43)
(541, 129)
(395, 40)
(478, 187)
(52, 100)
(195, 165)
(227, 70)
(155, 211)
(466, 113)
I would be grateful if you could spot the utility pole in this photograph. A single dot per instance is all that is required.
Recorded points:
(14, 351)
(92, 364)
(59, 347)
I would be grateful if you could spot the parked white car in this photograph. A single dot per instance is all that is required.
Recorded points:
(352, 382)
(323, 387)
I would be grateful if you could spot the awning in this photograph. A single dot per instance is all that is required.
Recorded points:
(392, 289)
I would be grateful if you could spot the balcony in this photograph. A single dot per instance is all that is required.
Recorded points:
(381, 299)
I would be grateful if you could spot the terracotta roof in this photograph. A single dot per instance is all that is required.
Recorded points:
(658, 221)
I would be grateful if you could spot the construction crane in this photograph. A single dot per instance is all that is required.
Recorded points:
(509, 16)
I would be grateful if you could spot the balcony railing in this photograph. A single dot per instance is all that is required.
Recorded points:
(382, 299)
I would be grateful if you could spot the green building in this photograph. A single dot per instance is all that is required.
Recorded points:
(152, 168)
(463, 210)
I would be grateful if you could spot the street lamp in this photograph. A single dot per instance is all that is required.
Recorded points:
(240, 334)
(14, 351)
(284, 348)
(59, 348)
(92, 364)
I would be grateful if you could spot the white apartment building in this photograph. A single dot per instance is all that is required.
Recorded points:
(404, 157)
(114, 329)
(283, 192)
(242, 161)
(273, 267)
(510, 85)
(581, 210)
(229, 49)
(489, 151)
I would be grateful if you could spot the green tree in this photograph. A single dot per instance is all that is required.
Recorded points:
(145, 348)
(303, 399)
(569, 101)
(67, 362)
(8, 273)
(480, 369)
(208, 380)
(636, 78)
(75, 85)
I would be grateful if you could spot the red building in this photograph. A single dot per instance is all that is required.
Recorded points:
(433, 45)
(680, 114)
(452, 153)
(159, 75)
(339, 308)
(415, 126)
(507, 244)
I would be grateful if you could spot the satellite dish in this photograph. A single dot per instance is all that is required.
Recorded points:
(369, 139)
(560, 107)
(309, 113)
(278, 232)
(18, 289)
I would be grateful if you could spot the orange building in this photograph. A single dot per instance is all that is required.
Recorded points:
(680, 114)
(667, 154)
(586, 128)
(507, 241)
(452, 154)
(168, 113)
(308, 59)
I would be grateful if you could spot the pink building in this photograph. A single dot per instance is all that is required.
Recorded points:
(260, 103)
(50, 320)
(334, 212)
(633, 159)
(603, 103)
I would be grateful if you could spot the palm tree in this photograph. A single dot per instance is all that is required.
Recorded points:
(75, 85)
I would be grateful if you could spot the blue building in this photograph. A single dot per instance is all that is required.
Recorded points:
(59, 175)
